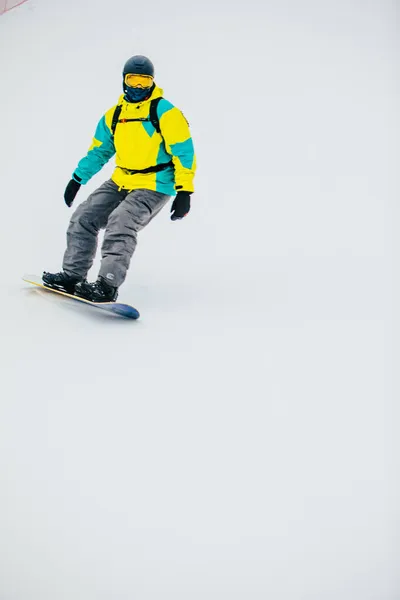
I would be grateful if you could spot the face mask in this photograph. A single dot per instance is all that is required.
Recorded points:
(137, 94)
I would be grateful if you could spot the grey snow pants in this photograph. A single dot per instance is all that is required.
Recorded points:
(123, 214)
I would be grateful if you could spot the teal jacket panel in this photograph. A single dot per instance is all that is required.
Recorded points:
(99, 153)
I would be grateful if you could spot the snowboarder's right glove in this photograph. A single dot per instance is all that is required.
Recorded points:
(180, 206)
(71, 190)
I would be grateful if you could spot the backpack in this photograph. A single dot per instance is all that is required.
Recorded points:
(153, 119)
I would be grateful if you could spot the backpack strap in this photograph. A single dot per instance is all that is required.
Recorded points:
(115, 118)
(153, 114)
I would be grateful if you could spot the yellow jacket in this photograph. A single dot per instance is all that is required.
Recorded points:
(138, 146)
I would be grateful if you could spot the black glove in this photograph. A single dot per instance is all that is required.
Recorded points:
(71, 191)
(180, 206)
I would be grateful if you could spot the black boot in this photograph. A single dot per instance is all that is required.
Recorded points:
(60, 281)
(99, 291)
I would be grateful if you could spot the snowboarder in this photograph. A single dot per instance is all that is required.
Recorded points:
(154, 160)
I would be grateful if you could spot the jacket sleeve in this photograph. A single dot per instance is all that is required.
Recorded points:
(179, 144)
(99, 153)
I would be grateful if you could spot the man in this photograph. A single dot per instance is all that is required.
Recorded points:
(154, 160)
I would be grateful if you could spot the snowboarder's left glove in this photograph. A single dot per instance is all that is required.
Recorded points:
(180, 206)
(71, 191)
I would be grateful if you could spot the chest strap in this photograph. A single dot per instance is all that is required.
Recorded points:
(153, 116)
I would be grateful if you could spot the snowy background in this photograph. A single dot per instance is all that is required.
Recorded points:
(239, 441)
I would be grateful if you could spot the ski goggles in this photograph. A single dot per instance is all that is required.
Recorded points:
(134, 80)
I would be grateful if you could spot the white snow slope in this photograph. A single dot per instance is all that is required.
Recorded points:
(237, 442)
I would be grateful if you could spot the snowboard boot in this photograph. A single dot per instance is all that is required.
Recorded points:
(60, 281)
(99, 291)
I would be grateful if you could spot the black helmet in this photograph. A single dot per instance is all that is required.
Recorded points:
(140, 65)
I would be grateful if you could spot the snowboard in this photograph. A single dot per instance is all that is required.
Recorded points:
(116, 308)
